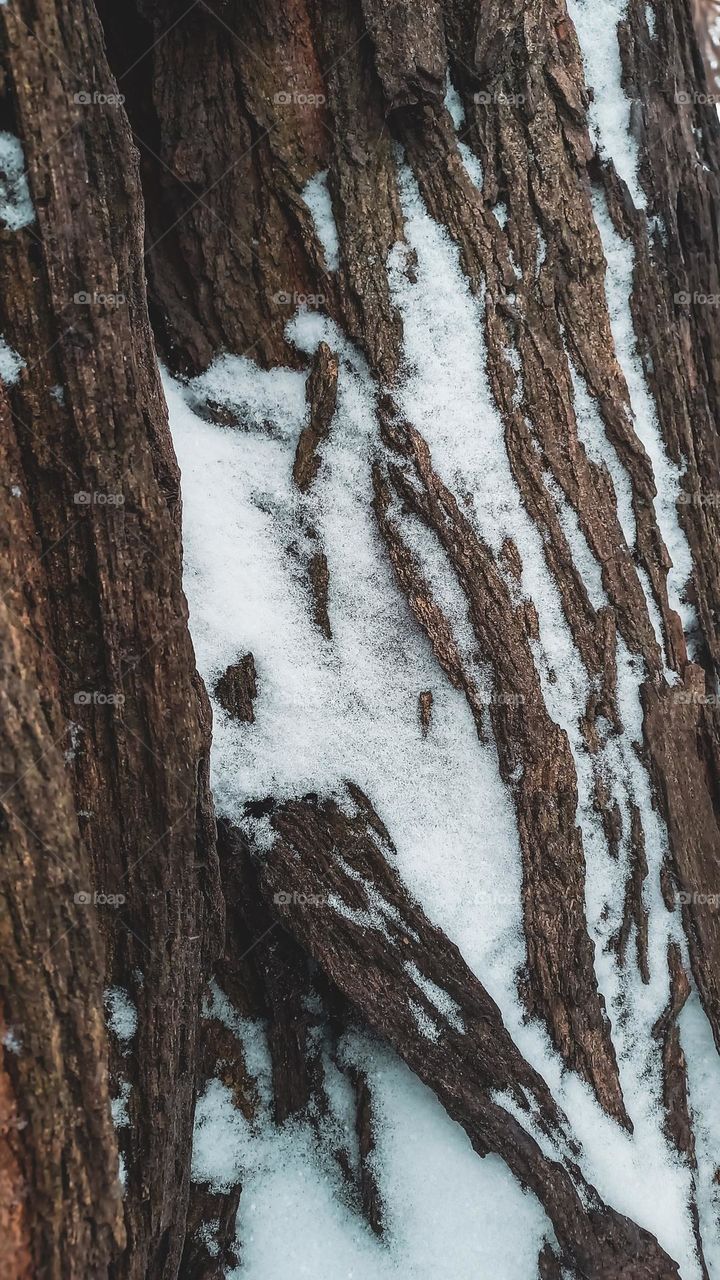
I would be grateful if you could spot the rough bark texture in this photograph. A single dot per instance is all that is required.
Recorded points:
(105, 726)
(109, 876)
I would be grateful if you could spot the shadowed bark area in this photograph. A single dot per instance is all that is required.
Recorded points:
(195, 188)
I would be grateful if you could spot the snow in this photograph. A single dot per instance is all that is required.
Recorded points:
(121, 1014)
(10, 363)
(424, 1023)
(16, 210)
(599, 449)
(119, 1106)
(448, 1215)
(11, 1041)
(703, 1077)
(437, 997)
(347, 709)
(596, 23)
(582, 556)
(317, 198)
(447, 397)
(501, 213)
(453, 104)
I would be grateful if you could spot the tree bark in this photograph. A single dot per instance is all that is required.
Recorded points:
(109, 874)
(168, 150)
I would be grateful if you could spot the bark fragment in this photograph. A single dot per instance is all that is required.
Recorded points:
(236, 690)
(321, 394)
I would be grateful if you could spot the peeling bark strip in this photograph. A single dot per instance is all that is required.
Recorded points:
(321, 398)
(236, 690)
(108, 869)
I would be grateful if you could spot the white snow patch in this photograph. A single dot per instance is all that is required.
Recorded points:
(453, 104)
(121, 1014)
(596, 23)
(119, 1106)
(424, 1023)
(591, 433)
(472, 165)
(329, 710)
(501, 213)
(16, 210)
(703, 1077)
(446, 1212)
(11, 1041)
(10, 363)
(447, 398)
(583, 558)
(346, 709)
(437, 997)
(317, 198)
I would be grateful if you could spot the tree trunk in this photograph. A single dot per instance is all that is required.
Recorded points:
(436, 288)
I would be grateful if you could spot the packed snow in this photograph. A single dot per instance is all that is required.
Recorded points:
(121, 1015)
(596, 23)
(11, 363)
(16, 209)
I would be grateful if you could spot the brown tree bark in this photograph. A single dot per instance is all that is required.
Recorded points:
(109, 869)
(181, 207)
